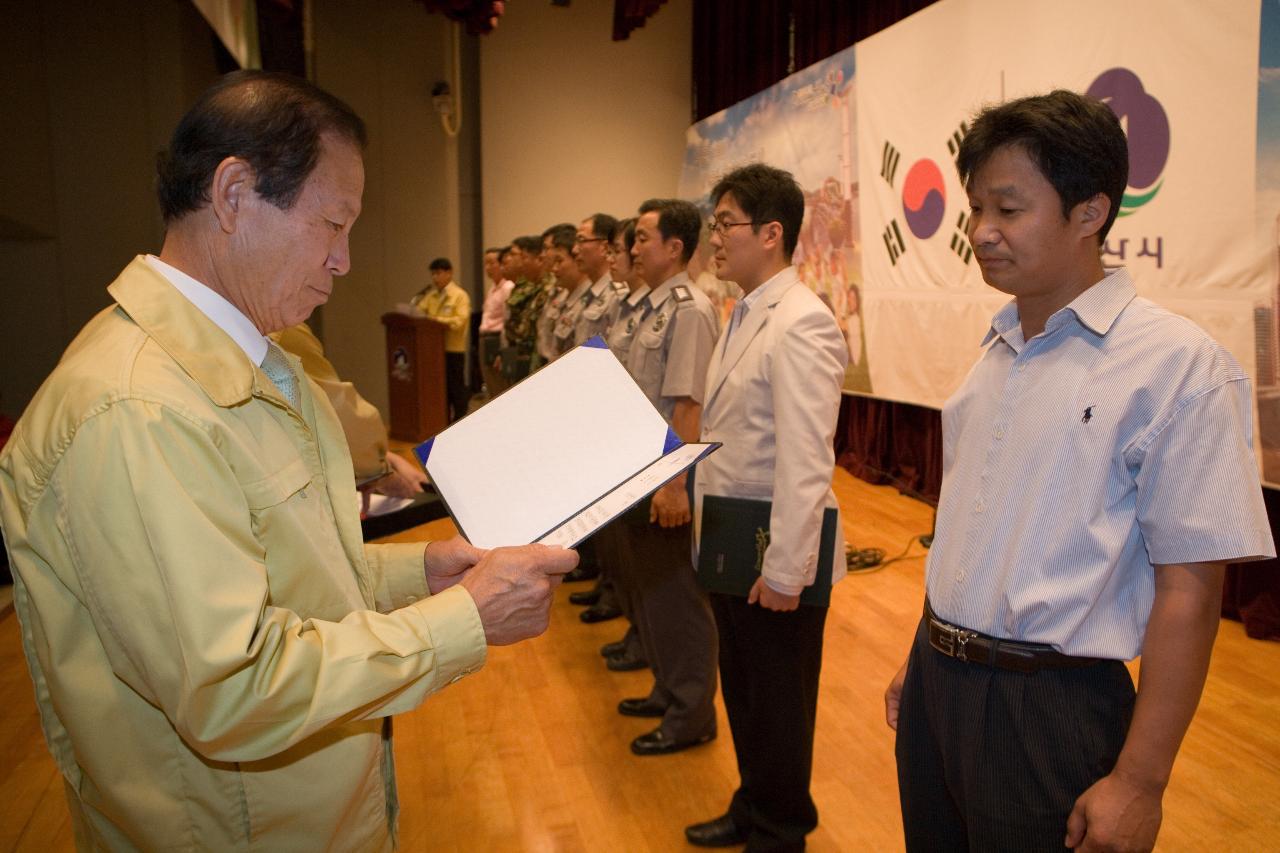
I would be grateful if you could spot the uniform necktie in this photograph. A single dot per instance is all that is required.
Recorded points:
(279, 371)
(735, 319)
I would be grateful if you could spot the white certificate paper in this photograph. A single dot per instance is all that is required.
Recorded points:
(557, 456)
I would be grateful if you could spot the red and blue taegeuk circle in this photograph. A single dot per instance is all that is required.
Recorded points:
(924, 198)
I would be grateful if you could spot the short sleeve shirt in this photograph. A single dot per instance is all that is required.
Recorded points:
(1118, 439)
(672, 345)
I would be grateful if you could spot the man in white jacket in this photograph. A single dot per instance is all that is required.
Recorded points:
(772, 397)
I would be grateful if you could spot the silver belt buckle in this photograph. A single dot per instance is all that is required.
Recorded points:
(954, 639)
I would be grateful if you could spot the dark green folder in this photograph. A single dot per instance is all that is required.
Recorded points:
(735, 533)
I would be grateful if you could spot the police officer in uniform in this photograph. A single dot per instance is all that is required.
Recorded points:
(624, 316)
(668, 359)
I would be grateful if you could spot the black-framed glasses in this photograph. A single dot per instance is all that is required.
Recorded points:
(721, 227)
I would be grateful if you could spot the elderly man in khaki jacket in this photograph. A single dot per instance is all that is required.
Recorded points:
(214, 650)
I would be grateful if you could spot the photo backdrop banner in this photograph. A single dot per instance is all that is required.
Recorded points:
(884, 242)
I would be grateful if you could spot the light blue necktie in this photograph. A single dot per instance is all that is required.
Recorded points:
(740, 310)
(279, 371)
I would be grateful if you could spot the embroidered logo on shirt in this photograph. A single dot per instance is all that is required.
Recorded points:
(660, 321)
(1087, 416)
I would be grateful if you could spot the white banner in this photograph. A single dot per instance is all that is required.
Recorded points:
(1188, 102)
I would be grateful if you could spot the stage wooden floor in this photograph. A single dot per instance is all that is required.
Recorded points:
(529, 754)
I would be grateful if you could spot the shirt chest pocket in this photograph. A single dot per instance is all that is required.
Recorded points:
(594, 312)
(649, 358)
(308, 570)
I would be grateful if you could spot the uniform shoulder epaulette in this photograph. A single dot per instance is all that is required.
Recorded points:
(682, 293)
(620, 288)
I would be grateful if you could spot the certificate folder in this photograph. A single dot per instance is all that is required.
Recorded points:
(735, 534)
(556, 456)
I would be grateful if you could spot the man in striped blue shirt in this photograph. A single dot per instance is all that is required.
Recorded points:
(1098, 475)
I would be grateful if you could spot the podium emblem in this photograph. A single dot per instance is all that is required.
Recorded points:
(401, 370)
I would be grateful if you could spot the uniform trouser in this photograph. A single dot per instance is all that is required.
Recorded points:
(455, 373)
(607, 555)
(770, 662)
(990, 759)
(671, 614)
(490, 343)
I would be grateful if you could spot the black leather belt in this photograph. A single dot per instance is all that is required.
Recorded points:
(972, 647)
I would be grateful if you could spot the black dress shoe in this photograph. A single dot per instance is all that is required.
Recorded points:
(721, 832)
(657, 742)
(598, 613)
(585, 597)
(609, 650)
(625, 662)
(582, 573)
(641, 706)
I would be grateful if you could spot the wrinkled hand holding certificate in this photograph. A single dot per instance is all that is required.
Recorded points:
(556, 457)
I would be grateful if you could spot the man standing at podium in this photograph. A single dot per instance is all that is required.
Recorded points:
(446, 302)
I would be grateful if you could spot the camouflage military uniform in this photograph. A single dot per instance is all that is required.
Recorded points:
(519, 327)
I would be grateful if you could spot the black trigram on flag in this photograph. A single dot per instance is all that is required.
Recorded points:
(960, 240)
(889, 162)
(957, 136)
(893, 241)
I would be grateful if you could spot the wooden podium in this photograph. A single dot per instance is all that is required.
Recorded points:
(415, 376)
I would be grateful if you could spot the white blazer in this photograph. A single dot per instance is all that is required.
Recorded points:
(772, 399)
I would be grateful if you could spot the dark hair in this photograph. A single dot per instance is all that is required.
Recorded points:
(530, 245)
(563, 236)
(441, 264)
(1076, 142)
(766, 195)
(602, 225)
(273, 121)
(502, 251)
(495, 249)
(626, 228)
(676, 218)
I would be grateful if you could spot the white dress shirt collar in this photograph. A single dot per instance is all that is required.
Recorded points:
(224, 315)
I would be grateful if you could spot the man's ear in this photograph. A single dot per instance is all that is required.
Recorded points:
(772, 233)
(1091, 214)
(230, 191)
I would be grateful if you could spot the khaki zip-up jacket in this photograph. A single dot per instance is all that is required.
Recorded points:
(213, 648)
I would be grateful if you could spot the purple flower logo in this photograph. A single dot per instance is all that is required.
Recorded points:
(1147, 128)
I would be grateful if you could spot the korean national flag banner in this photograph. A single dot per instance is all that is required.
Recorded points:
(1182, 77)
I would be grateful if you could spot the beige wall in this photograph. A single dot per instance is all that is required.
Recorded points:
(382, 57)
(575, 123)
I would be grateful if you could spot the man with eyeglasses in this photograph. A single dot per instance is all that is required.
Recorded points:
(668, 360)
(772, 397)
(594, 250)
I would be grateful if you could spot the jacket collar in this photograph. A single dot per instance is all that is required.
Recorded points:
(727, 354)
(206, 353)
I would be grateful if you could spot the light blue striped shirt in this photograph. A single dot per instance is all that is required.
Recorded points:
(1118, 439)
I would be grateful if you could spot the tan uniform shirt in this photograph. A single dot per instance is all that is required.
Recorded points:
(451, 306)
(625, 318)
(547, 320)
(562, 334)
(597, 310)
(214, 649)
(672, 346)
